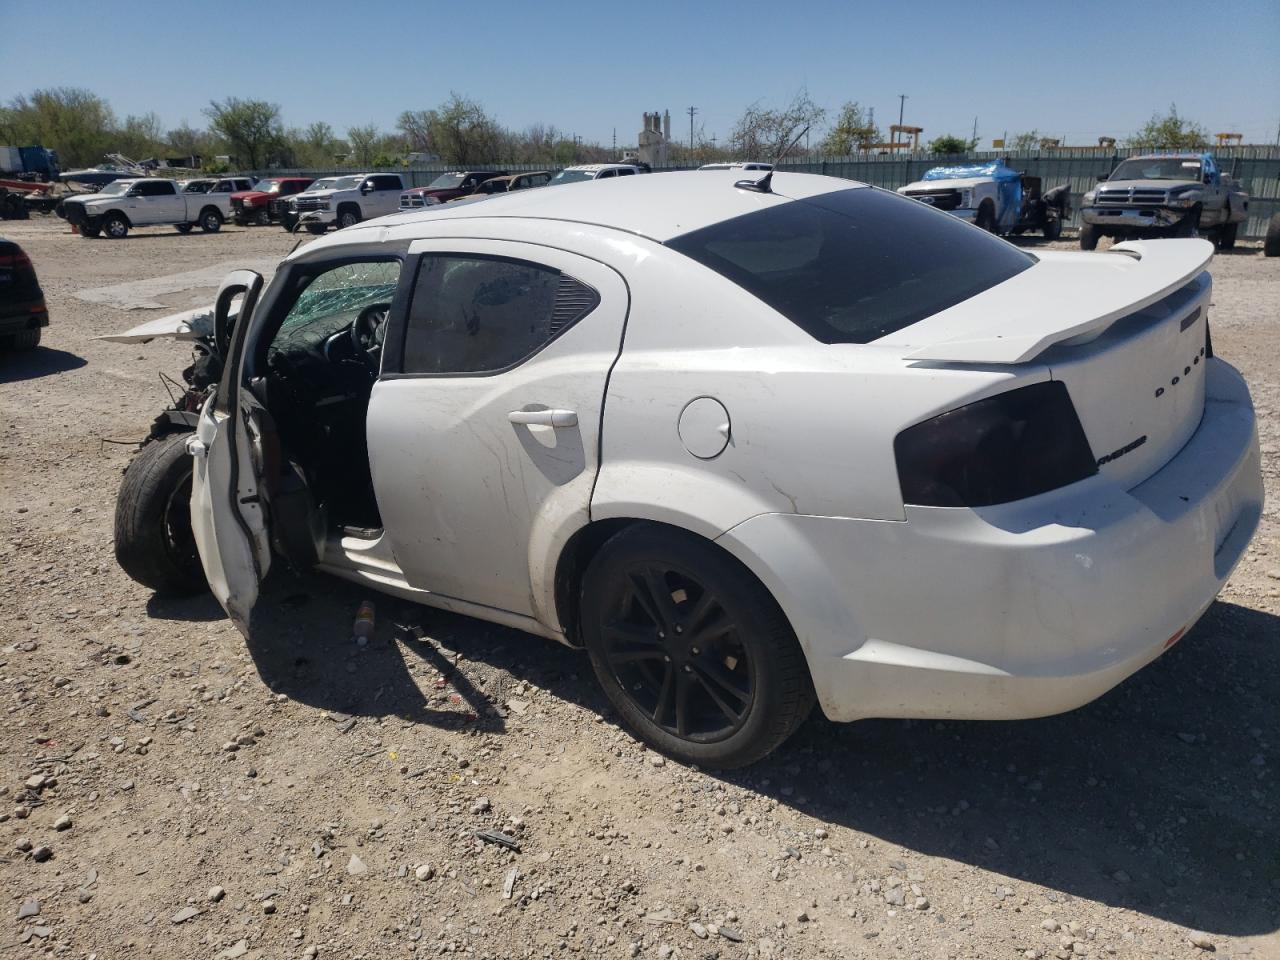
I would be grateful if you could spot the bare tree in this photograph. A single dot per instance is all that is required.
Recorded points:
(415, 125)
(364, 143)
(762, 133)
(462, 133)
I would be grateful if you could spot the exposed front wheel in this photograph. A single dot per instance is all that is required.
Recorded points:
(1089, 236)
(262, 218)
(153, 539)
(1052, 228)
(1188, 226)
(115, 226)
(90, 232)
(691, 650)
(986, 218)
(316, 228)
(182, 227)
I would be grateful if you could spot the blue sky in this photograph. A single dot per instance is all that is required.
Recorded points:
(1076, 70)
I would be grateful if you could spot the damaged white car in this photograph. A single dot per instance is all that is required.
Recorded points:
(751, 444)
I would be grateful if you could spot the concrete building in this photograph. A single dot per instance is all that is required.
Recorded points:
(655, 137)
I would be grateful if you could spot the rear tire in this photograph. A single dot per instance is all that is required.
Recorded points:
(691, 650)
(986, 218)
(1089, 236)
(1052, 229)
(21, 341)
(1271, 246)
(348, 217)
(115, 226)
(153, 540)
(316, 228)
(1227, 236)
(210, 220)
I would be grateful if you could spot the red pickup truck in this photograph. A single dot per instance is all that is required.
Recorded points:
(447, 186)
(255, 206)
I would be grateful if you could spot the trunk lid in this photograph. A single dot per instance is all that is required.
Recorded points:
(1124, 330)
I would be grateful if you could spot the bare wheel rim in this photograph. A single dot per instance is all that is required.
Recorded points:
(678, 654)
(178, 536)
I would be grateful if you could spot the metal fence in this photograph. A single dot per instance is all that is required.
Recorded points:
(1256, 168)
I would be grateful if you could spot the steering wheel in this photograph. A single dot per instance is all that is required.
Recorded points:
(366, 330)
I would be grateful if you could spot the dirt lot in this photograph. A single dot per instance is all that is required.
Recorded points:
(300, 796)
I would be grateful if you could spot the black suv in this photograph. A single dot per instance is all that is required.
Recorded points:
(22, 309)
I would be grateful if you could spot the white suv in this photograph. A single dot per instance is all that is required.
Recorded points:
(594, 171)
(347, 200)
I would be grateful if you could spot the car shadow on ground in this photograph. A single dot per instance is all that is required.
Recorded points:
(1158, 798)
(16, 366)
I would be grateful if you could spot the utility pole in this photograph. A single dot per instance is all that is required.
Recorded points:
(974, 139)
(902, 104)
(615, 143)
(691, 112)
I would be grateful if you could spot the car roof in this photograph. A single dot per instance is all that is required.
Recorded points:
(660, 206)
(595, 167)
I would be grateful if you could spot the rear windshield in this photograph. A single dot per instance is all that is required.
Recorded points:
(854, 265)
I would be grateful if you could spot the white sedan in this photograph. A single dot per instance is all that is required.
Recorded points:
(751, 444)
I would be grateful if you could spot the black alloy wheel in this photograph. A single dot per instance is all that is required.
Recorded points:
(690, 648)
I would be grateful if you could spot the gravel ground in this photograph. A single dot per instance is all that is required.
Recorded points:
(169, 791)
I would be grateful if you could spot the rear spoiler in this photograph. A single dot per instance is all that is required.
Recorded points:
(1067, 295)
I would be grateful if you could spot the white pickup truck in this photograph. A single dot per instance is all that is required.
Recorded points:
(348, 200)
(147, 202)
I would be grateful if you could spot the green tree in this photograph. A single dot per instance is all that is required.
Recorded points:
(950, 144)
(77, 123)
(186, 141)
(1024, 141)
(762, 133)
(852, 131)
(364, 143)
(251, 128)
(1170, 132)
(415, 125)
(461, 132)
(140, 137)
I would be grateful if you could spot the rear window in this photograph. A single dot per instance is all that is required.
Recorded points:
(854, 265)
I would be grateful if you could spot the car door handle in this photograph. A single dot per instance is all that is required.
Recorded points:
(545, 418)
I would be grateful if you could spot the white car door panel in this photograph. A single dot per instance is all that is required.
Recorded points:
(481, 476)
(227, 515)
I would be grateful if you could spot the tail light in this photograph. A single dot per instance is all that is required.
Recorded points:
(1007, 447)
(15, 261)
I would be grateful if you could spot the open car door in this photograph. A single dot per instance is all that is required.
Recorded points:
(228, 516)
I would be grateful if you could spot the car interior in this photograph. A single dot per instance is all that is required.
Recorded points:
(321, 362)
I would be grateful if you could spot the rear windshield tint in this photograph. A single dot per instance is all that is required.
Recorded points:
(854, 265)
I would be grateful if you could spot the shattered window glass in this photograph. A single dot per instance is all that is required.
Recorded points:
(335, 298)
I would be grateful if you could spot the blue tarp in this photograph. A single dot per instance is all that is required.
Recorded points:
(1009, 185)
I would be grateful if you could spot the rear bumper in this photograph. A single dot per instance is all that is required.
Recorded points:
(1021, 610)
(16, 318)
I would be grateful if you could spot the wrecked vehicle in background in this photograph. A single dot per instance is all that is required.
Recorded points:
(994, 197)
(1164, 195)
